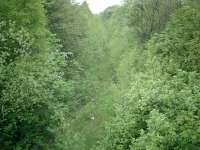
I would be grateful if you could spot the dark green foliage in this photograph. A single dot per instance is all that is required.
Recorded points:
(178, 46)
(161, 111)
(147, 17)
(31, 89)
(15, 42)
(27, 14)
(67, 21)
(134, 66)
(157, 114)
(31, 85)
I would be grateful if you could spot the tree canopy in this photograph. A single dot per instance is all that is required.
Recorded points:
(124, 79)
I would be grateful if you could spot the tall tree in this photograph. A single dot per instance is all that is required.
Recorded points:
(32, 89)
(150, 16)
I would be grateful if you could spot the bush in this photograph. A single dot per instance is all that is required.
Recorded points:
(32, 92)
(157, 114)
(178, 46)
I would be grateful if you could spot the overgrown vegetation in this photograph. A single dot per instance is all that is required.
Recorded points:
(125, 79)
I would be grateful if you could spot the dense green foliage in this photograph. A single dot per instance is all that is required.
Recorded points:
(161, 110)
(33, 92)
(178, 46)
(149, 16)
(125, 79)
